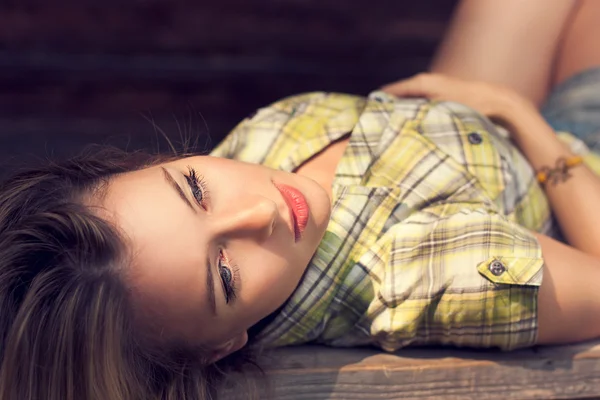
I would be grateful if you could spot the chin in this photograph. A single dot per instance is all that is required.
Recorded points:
(324, 212)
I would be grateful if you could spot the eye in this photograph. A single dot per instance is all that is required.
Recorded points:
(228, 276)
(197, 186)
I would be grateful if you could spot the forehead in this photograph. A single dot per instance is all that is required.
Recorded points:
(167, 269)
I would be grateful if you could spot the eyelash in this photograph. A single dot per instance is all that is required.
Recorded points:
(229, 286)
(200, 193)
(198, 186)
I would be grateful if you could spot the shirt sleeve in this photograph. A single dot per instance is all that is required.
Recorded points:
(466, 278)
(293, 119)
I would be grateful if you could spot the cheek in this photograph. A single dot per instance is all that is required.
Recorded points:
(165, 248)
(269, 283)
(169, 269)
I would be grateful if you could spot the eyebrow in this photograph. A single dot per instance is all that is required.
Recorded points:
(210, 285)
(169, 178)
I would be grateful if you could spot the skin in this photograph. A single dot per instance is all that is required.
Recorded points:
(528, 47)
(568, 302)
(246, 217)
(243, 227)
(512, 43)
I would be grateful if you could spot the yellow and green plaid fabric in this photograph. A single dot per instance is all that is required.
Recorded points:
(429, 239)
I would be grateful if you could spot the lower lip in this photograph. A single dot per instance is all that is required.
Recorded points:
(298, 207)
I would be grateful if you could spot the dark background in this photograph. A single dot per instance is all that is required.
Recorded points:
(74, 72)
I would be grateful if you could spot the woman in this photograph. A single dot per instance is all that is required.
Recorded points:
(339, 219)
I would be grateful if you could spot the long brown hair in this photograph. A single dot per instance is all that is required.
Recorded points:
(68, 327)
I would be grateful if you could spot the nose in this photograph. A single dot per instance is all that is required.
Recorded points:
(251, 216)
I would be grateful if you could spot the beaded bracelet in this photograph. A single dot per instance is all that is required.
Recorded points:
(560, 172)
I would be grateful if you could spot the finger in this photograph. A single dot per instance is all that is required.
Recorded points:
(417, 86)
(407, 87)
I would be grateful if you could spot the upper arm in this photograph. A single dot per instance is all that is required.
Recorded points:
(569, 297)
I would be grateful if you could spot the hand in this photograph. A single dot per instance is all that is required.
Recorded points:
(491, 100)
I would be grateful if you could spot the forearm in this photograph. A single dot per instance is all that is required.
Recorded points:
(574, 201)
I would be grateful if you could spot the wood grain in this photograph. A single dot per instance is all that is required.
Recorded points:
(312, 372)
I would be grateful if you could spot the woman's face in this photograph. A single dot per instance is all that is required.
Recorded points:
(216, 244)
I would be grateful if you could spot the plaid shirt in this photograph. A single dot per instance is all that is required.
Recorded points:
(429, 240)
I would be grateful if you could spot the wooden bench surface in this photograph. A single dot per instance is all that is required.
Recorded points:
(314, 372)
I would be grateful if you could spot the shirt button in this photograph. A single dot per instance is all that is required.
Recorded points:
(475, 138)
(497, 268)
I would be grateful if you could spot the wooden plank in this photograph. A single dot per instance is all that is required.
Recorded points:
(196, 69)
(235, 26)
(313, 372)
(107, 88)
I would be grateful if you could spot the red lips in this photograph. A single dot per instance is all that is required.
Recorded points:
(298, 208)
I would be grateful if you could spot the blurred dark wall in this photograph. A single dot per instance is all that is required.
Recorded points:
(74, 72)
